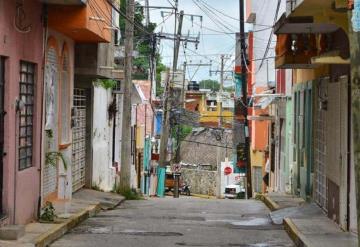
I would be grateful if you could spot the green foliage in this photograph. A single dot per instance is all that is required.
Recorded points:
(129, 194)
(49, 133)
(210, 84)
(143, 44)
(230, 89)
(48, 213)
(185, 130)
(105, 83)
(52, 157)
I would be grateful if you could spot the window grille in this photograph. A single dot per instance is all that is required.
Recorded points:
(27, 88)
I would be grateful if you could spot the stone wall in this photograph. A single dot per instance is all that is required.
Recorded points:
(201, 181)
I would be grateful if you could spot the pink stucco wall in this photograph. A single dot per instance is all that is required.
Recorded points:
(144, 111)
(16, 46)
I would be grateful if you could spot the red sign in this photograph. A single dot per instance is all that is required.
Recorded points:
(227, 170)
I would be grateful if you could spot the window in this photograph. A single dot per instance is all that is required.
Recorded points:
(27, 83)
(65, 100)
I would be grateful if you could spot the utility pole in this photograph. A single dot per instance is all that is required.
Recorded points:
(354, 38)
(244, 98)
(177, 45)
(219, 104)
(147, 11)
(125, 173)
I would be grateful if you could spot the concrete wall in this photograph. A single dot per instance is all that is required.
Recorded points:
(201, 182)
(15, 46)
(103, 173)
(265, 11)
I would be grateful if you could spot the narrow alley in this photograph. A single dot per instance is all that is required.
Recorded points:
(186, 221)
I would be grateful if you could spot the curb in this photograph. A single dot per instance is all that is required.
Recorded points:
(61, 229)
(48, 237)
(294, 233)
(273, 206)
(203, 196)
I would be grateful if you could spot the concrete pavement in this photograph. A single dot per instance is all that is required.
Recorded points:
(84, 204)
(306, 223)
(187, 221)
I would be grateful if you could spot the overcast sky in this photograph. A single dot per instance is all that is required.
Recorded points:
(212, 43)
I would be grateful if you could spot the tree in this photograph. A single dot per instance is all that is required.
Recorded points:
(210, 84)
(142, 44)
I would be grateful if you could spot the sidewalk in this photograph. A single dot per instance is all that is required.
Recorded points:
(84, 204)
(306, 223)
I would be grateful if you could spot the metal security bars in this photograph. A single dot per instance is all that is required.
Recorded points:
(79, 139)
(27, 86)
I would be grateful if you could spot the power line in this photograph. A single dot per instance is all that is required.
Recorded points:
(226, 15)
(208, 144)
(270, 37)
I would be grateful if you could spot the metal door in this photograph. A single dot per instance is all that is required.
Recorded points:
(2, 114)
(79, 139)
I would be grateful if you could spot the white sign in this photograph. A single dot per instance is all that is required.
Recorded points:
(178, 79)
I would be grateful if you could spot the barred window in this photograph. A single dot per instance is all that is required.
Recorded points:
(27, 88)
(65, 101)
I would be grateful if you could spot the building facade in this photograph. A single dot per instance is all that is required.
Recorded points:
(21, 83)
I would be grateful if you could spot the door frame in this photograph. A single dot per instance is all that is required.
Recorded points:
(2, 114)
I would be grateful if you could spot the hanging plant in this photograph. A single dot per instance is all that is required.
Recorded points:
(105, 83)
(112, 109)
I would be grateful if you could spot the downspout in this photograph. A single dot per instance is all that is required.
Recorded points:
(45, 23)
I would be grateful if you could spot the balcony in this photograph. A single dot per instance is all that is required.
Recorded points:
(96, 61)
(323, 11)
(65, 2)
(312, 33)
(90, 22)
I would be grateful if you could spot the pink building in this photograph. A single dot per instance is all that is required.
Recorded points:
(21, 86)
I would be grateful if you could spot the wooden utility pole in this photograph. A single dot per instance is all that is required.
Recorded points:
(244, 97)
(354, 38)
(125, 172)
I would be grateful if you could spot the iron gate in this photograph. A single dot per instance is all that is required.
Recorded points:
(320, 194)
(79, 139)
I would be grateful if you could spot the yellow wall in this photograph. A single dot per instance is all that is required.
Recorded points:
(213, 116)
(304, 75)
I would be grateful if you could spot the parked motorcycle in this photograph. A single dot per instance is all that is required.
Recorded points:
(185, 189)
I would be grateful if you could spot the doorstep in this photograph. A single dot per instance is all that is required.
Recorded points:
(306, 223)
(84, 204)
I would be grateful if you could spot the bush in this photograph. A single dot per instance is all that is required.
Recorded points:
(129, 194)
